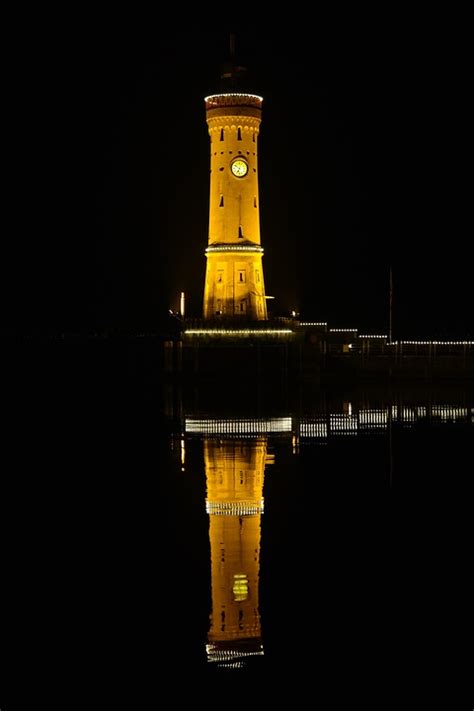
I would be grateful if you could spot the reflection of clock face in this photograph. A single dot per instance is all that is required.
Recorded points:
(239, 167)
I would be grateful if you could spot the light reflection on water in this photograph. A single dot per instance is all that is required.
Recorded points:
(237, 453)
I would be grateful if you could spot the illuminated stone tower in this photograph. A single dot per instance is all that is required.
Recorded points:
(234, 473)
(234, 287)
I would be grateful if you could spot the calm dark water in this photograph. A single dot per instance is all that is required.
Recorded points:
(134, 520)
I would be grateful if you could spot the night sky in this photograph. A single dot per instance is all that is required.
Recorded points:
(362, 161)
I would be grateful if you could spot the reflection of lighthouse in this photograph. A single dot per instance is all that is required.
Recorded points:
(234, 472)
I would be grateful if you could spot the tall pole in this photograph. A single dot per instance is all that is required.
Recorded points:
(390, 316)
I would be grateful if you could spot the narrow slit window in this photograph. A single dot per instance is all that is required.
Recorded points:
(255, 202)
(253, 136)
(257, 276)
(239, 134)
(242, 277)
(221, 201)
(222, 134)
(219, 276)
(241, 234)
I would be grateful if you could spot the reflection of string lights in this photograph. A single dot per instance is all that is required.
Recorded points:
(313, 429)
(373, 418)
(449, 413)
(323, 426)
(234, 508)
(217, 654)
(238, 426)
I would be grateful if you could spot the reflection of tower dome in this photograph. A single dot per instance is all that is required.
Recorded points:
(234, 474)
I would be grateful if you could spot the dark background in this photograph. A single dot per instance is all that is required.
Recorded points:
(363, 154)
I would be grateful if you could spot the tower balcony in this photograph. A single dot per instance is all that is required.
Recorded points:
(220, 101)
(234, 247)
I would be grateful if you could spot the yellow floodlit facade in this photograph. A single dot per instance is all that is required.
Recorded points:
(234, 287)
(234, 475)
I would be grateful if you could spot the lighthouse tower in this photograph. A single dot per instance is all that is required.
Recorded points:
(234, 287)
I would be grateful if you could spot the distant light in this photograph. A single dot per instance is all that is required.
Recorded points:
(374, 336)
(350, 345)
(181, 304)
(293, 313)
(312, 323)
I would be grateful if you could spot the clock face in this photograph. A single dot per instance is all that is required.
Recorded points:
(239, 167)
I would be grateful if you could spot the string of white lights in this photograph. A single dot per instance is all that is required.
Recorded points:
(237, 332)
(431, 343)
(233, 95)
(234, 248)
(216, 654)
(313, 323)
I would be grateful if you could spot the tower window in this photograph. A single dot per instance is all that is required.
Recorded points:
(241, 234)
(242, 277)
(239, 134)
(222, 134)
(219, 276)
(257, 276)
(255, 202)
(221, 169)
(221, 201)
